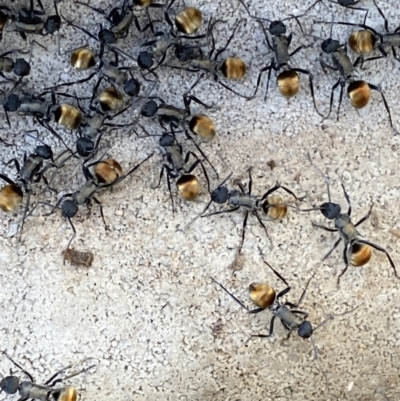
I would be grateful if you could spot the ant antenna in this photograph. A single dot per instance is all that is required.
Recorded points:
(219, 186)
(326, 178)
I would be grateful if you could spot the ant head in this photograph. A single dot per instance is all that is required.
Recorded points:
(106, 37)
(69, 208)
(145, 60)
(220, 195)
(305, 329)
(330, 45)
(167, 140)
(53, 24)
(132, 87)
(44, 151)
(21, 67)
(277, 28)
(12, 103)
(84, 146)
(10, 384)
(330, 210)
(149, 109)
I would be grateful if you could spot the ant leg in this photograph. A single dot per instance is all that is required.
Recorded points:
(302, 296)
(326, 178)
(271, 330)
(229, 40)
(379, 248)
(310, 79)
(19, 367)
(325, 65)
(166, 15)
(101, 211)
(342, 83)
(98, 10)
(266, 37)
(263, 225)
(331, 100)
(383, 16)
(332, 249)
(79, 81)
(257, 310)
(250, 181)
(346, 263)
(295, 51)
(51, 383)
(221, 212)
(71, 239)
(16, 164)
(170, 192)
(47, 383)
(289, 334)
(346, 195)
(395, 54)
(365, 217)
(218, 80)
(275, 188)
(287, 289)
(376, 88)
(268, 79)
(243, 231)
(33, 43)
(25, 214)
(188, 98)
(203, 154)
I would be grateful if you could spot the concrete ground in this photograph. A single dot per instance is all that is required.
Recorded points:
(147, 310)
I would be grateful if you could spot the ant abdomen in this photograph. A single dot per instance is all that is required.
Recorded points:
(108, 171)
(288, 83)
(189, 20)
(274, 207)
(359, 254)
(10, 198)
(188, 187)
(262, 295)
(362, 42)
(359, 93)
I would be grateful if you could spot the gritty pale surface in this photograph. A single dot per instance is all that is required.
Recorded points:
(147, 310)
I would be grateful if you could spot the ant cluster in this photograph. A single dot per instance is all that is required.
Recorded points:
(129, 94)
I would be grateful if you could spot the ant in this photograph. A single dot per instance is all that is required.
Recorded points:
(232, 68)
(35, 105)
(187, 184)
(174, 116)
(272, 206)
(187, 22)
(20, 67)
(31, 171)
(43, 392)
(288, 80)
(119, 76)
(108, 173)
(265, 297)
(358, 91)
(120, 19)
(30, 21)
(357, 251)
(366, 40)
